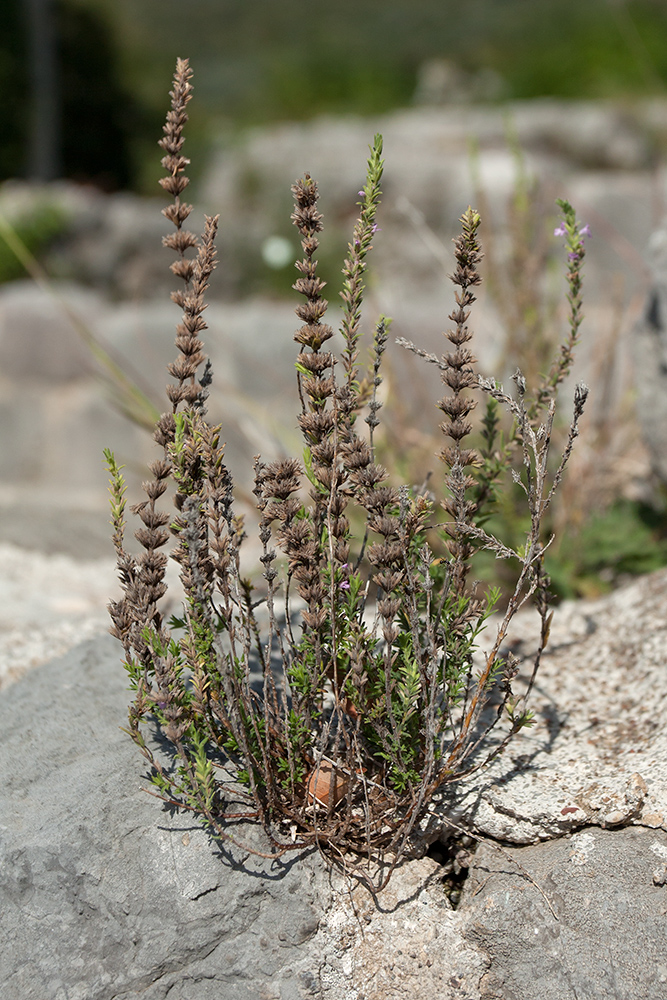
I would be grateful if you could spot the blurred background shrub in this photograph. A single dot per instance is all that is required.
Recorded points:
(264, 61)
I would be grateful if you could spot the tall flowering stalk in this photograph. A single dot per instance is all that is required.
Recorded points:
(353, 273)
(458, 374)
(574, 233)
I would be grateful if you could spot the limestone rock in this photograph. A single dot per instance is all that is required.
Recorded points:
(48, 604)
(104, 895)
(581, 917)
(597, 754)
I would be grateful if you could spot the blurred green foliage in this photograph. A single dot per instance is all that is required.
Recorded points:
(624, 540)
(13, 80)
(36, 228)
(262, 60)
(611, 545)
(99, 117)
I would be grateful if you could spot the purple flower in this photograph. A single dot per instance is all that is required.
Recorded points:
(375, 229)
(345, 585)
(573, 257)
(561, 231)
(586, 231)
(362, 194)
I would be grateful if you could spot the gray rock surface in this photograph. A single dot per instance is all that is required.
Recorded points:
(48, 604)
(597, 753)
(111, 243)
(56, 416)
(600, 931)
(98, 901)
(105, 895)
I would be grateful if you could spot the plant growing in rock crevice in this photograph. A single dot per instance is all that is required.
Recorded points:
(379, 698)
